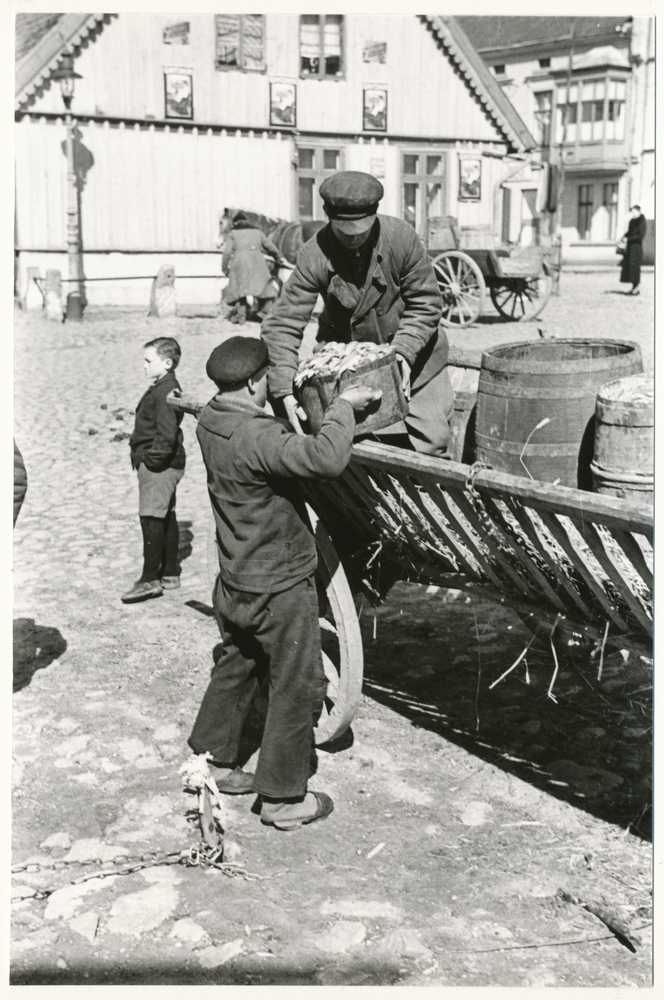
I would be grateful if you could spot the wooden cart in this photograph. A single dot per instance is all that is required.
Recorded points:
(579, 560)
(519, 279)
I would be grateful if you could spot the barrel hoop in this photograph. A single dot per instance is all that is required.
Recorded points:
(518, 447)
(530, 392)
(612, 475)
(623, 416)
(501, 358)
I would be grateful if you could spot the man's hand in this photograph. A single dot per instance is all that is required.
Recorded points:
(295, 413)
(359, 396)
(405, 375)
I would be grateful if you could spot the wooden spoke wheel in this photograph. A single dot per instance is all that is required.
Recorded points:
(462, 287)
(523, 298)
(341, 641)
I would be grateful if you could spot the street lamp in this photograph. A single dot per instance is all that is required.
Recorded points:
(66, 76)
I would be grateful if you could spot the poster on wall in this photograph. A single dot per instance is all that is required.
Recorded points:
(283, 104)
(470, 178)
(374, 109)
(176, 34)
(179, 94)
(374, 52)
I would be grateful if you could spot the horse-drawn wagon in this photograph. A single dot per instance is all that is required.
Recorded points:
(519, 279)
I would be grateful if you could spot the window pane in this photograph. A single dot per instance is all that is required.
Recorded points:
(434, 200)
(253, 51)
(621, 90)
(330, 159)
(309, 43)
(410, 203)
(227, 39)
(306, 185)
(587, 111)
(600, 90)
(587, 91)
(332, 44)
(305, 159)
(434, 166)
(410, 162)
(585, 213)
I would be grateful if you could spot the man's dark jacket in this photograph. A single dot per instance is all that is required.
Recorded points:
(400, 303)
(253, 461)
(157, 437)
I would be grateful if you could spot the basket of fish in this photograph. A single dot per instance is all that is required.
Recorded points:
(323, 376)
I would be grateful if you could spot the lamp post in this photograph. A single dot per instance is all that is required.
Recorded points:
(66, 76)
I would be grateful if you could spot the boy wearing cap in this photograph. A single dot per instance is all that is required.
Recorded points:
(265, 596)
(378, 285)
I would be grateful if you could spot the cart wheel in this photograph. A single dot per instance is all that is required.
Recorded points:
(462, 286)
(523, 298)
(340, 634)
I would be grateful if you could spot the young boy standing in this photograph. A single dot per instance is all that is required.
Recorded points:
(157, 454)
(265, 596)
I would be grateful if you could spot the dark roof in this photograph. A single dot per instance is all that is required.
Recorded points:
(459, 47)
(30, 28)
(502, 32)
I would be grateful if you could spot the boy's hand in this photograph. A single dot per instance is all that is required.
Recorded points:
(359, 396)
(295, 413)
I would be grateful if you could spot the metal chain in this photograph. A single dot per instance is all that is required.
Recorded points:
(196, 857)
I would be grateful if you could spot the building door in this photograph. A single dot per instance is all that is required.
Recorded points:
(423, 189)
(314, 164)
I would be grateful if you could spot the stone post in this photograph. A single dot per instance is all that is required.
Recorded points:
(162, 293)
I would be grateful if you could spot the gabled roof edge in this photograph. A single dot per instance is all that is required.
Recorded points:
(477, 74)
(37, 64)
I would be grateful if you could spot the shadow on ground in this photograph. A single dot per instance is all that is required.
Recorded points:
(35, 647)
(248, 971)
(591, 746)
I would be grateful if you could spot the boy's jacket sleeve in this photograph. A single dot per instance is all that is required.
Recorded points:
(325, 455)
(166, 437)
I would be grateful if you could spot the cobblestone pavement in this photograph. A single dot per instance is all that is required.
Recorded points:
(106, 694)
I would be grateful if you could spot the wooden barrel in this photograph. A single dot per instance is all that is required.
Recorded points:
(536, 405)
(623, 461)
(317, 394)
(462, 426)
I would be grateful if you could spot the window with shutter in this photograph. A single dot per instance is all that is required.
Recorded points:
(240, 41)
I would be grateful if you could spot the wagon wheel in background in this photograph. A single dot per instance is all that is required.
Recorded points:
(523, 298)
(340, 634)
(462, 286)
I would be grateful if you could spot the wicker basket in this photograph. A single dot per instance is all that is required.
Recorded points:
(316, 395)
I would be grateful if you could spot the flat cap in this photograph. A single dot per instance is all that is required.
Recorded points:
(236, 360)
(351, 195)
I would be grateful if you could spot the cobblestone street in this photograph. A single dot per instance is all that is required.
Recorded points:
(391, 889)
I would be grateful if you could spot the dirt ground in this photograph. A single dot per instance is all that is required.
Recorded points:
(478, 831)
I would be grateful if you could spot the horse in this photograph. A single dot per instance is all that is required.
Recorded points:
(288, 237)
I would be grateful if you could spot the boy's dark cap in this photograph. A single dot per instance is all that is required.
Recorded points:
(236, 360)
(351, 194)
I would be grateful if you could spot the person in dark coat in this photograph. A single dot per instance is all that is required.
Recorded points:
(20, 481)
(246, 267)
(158, 456)
(265, 596)
(378, 285)
(631, 263)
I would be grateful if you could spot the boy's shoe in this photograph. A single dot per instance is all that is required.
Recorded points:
(170, 582)
(232, 781)
(142, 591)
(290, 815)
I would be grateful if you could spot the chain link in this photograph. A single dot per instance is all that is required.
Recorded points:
(201, 856)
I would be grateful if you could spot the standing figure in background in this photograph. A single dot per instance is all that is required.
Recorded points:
(631, 263)
(157, 454)
(249, 277)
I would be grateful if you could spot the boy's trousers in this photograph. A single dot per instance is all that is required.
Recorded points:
(273, 634)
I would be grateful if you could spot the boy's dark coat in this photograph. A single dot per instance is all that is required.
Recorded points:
(157, 437)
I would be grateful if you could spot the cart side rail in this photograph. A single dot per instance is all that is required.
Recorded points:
(577, 554)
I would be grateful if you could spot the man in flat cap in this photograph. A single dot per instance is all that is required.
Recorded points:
(265, 596)
(378, 285)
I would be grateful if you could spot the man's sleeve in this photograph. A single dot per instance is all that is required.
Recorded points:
(165, 441)
(422, 302)
(321, 456)
(283, 329)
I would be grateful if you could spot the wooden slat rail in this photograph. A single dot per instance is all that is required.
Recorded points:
(562, 550)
